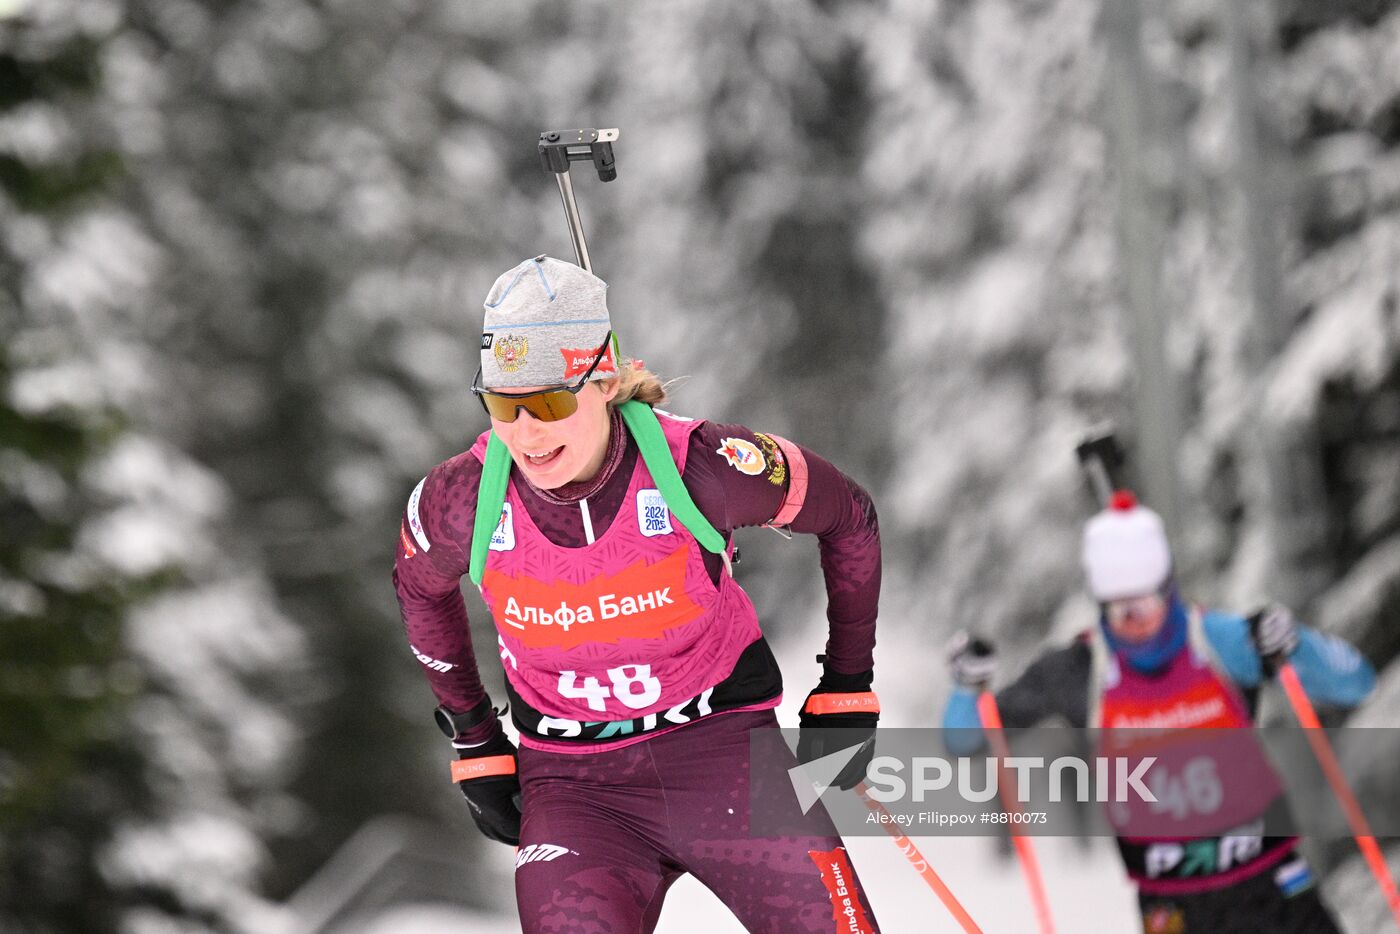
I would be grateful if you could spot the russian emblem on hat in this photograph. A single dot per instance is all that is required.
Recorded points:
(510, 353)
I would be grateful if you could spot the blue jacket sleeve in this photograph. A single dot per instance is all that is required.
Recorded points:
(962, 727)
(1330, 669)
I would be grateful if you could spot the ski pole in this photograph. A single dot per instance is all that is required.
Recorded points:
(558, 148)
(1103, 460)
(1327, 758)
(920, 864)
(1030, 867)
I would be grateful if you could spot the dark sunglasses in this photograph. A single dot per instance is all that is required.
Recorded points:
(546, 405)
(1150, 604)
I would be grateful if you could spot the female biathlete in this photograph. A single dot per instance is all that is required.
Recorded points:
(598, 532)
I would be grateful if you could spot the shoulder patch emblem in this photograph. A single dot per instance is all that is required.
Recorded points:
(415, 524)
(777, 464)
(743, 456)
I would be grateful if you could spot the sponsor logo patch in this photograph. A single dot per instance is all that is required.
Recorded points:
(540, 853)
(511, 352)
(846, 909)
(1294, 877)
(503, 539)
(1164, 919)
(415, 524)
(430, 662)
(640, 602)
(743, 456)
(653, 518)
(577, 362)
(486, 340)
(1203, 706)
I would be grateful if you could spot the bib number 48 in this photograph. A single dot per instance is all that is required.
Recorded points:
(632, 685)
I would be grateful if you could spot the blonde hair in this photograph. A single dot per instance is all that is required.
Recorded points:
(635, 381)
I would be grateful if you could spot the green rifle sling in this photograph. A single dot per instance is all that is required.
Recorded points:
(490, 500)
(656, 454)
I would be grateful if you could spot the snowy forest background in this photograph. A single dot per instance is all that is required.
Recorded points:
(243, 248)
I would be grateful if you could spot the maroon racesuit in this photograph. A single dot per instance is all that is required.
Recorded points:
(608, 826)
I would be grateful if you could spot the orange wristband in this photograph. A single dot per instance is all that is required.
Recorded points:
(464, 770)
(864, 702)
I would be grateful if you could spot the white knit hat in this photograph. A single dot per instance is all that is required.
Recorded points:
(544, 322)
(1125, 550)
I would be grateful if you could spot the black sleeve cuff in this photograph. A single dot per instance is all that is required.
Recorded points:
(834, 682)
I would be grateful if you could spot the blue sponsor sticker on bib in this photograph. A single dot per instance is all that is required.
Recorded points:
(653, 518)
(1293, 877)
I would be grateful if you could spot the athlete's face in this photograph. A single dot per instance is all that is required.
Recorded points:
(551, 454)
(1136, 619)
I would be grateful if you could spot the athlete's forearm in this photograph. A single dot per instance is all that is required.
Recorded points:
(1331, 669)
(1055, 685)
(436, 626)
(842, 516)
(428, 567)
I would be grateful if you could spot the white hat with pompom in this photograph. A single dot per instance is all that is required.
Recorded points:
(1125, 550)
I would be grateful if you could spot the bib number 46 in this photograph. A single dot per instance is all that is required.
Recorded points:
(632, 685)
(1196, 790)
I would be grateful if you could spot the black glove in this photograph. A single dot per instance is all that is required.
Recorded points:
(486, 772)
(487, 776)
(1274, 632)
(839, 713)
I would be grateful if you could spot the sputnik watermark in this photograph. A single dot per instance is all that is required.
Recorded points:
(953, 819)
(1116, 779)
